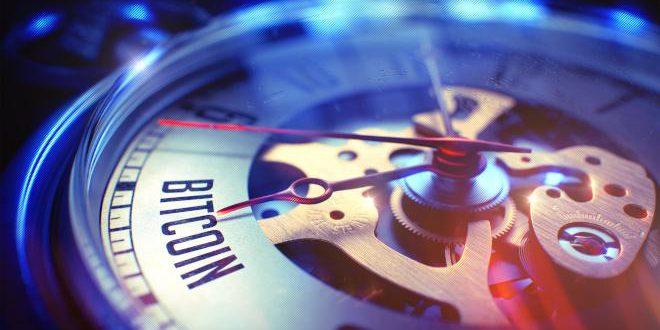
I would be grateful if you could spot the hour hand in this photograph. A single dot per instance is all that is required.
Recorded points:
(292, 193)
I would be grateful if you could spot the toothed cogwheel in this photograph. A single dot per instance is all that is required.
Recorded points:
(484, 191)
(422, 220)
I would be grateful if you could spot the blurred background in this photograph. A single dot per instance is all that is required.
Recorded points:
(52, 50)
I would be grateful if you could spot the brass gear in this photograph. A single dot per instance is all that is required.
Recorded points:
(404, 209)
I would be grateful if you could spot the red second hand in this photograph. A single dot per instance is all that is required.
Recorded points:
(459, 143)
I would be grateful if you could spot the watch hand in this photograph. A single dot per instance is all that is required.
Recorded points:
(454, 143)
(329, 188)
(429, 54)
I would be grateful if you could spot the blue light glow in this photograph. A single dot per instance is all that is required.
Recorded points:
(471, 10)
(136, 12)
(387, 9)
(42, 24)
(627, 21)
(553, 179)
(487, 10)
(257, 15)
(522, 11)
(138, 65)
(332, 17)
(155, 35)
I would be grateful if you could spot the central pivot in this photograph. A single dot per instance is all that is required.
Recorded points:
(462, 181)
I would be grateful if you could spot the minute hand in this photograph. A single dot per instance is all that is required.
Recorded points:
(431, 142)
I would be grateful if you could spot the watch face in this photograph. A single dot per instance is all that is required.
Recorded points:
(381, 165)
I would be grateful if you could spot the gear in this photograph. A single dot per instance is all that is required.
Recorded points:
(482, 192)
(514, 237)
(427, 222)
(505, 219)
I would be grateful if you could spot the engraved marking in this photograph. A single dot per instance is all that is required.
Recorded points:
(133, 275)
(122, 251)
(598, 218)
(124, 186)
(129, 175)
